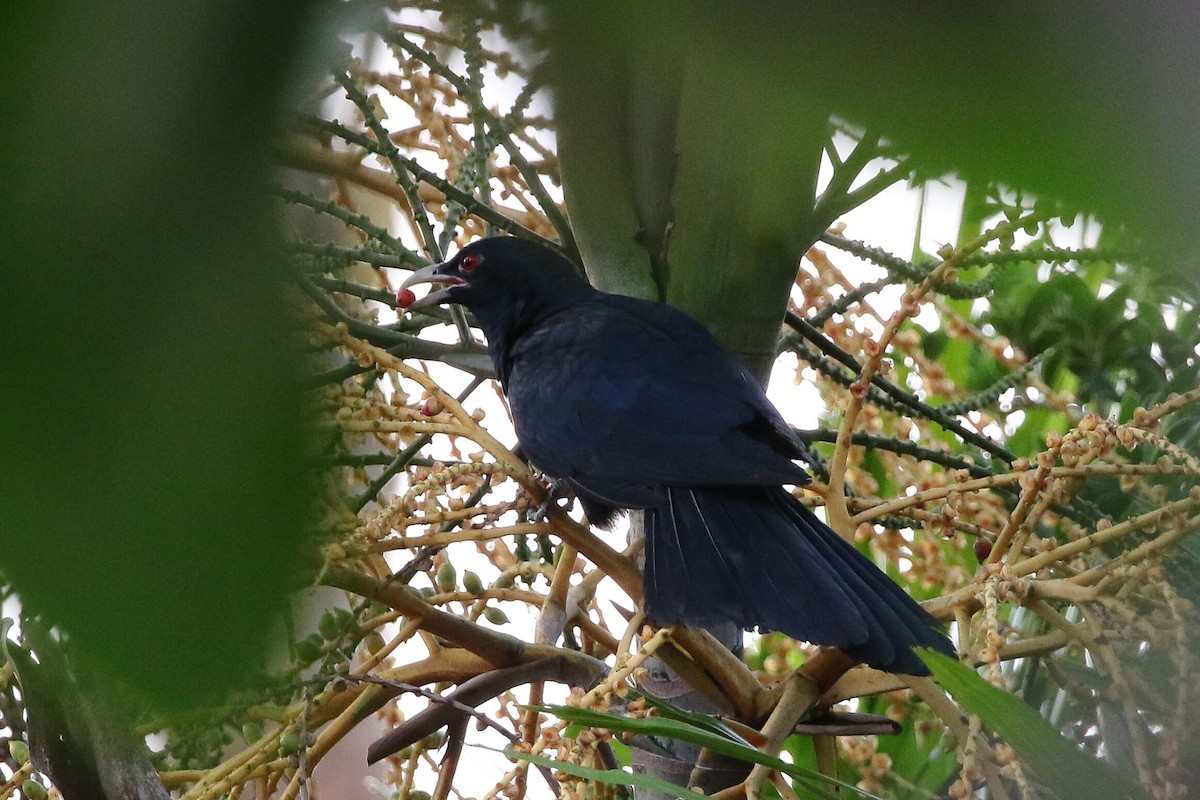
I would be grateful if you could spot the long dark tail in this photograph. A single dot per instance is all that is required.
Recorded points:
(757, 557)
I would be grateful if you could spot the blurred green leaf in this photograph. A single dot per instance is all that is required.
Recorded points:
(874, 466)
(983, 370)
(152, 491)
(1030, 436)
(617, 777)
(956, 357)
(927, 765)
(703, 731)
(1076, 670)
(1055, 762)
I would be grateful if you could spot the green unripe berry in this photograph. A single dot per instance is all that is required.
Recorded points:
(252, 732)
(19, 751)
(446, 577)
(472, 583)
(290, 743)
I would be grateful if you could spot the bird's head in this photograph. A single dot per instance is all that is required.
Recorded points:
(503, 280)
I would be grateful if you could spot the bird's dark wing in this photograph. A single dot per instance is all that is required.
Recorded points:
(621, 395)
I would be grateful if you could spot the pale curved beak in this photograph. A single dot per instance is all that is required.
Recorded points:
(432, 274)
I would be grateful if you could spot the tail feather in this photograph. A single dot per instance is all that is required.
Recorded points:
(699, 560)
(897, 610)
(824, 589)
(849, 621)
(805, 566)
(757, 557)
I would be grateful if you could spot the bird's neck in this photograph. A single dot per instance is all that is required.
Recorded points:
(504, 327)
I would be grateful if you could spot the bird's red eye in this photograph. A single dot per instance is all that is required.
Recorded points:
(468, 262)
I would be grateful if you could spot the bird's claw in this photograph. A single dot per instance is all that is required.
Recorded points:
(555, 490)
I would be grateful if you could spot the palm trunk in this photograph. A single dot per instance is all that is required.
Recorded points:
(681, 187)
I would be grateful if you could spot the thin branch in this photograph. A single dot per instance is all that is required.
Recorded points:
(843, 303)
(905, 398)
(498, 218)
(405, 457)
(478, 690)
(471, 358)
(500, 129)
(834, 207)
(901, 446)
(349, 218)
(836, 499)
(387, 147)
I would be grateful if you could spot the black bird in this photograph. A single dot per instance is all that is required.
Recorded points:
(634, 405)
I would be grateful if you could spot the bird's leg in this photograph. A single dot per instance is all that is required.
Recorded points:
(555, 490)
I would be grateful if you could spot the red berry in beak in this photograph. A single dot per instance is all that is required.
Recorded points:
(405, 298)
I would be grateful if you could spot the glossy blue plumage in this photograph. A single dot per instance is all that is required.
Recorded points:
(619, 391)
